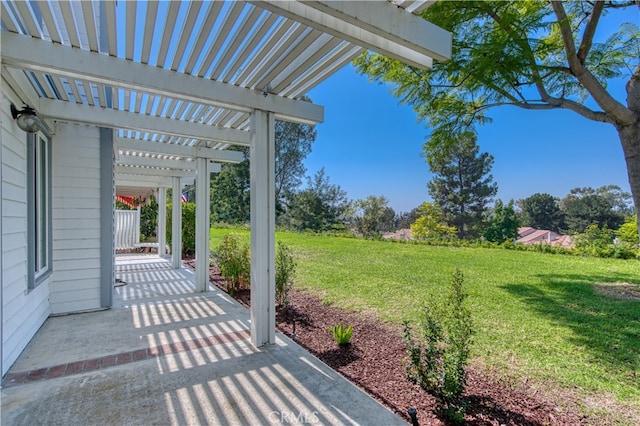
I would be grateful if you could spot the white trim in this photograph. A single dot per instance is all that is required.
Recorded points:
(202, 225)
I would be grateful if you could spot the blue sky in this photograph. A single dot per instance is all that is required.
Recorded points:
(371, 145)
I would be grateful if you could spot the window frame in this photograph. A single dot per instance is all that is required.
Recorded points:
(39, 208)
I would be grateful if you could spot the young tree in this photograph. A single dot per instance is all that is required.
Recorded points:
(503, 224)
(462, 185)
(537, 55)
(430, 224)
(541, 211)
(373, 216)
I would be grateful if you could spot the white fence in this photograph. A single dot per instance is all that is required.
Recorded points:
(127, 229)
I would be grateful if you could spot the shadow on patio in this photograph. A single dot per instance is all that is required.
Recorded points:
(166, 355)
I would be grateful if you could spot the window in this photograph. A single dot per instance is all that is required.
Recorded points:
(39, 208)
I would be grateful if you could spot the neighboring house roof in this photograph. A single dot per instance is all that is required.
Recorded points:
(528, 235)
(400, 234)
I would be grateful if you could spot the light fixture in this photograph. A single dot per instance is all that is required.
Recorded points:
(27, 119)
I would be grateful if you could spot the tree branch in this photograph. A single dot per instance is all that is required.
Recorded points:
(556, 103)
(590, 30)
(609, 105)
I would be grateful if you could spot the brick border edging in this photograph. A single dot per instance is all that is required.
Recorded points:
(68, 369)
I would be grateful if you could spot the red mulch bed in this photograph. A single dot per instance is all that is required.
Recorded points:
(373, 361)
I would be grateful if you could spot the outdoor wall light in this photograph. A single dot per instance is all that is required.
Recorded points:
(27, 119)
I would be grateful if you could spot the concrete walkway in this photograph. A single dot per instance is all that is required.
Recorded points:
(165, 355)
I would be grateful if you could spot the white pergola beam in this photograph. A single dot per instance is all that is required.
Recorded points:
(376, 25)
(143, 181)
(146, 171)
(164, 163)
(162, 220)
(40, 55)
(181, 150)
(111, 118)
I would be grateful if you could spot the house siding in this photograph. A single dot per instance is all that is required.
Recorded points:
(23, 311)
(76, 278)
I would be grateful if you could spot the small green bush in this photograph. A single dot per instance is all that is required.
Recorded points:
(285, 271)
(234, 260)
(437, 360)
(188, 228)
(341, 335)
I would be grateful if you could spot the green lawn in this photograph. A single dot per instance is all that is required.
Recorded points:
(536, 314)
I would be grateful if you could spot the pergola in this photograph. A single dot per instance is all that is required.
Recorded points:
(179, 83)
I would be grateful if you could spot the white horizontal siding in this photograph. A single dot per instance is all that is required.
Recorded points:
(76, 281)
(23, 311)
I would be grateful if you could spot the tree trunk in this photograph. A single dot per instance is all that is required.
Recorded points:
(630, 139)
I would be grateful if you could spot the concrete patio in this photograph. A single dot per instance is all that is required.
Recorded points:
(167, 355)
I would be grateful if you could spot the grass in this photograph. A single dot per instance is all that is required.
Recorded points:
(537, 315)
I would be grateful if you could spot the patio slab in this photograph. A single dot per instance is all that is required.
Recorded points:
(167, 355)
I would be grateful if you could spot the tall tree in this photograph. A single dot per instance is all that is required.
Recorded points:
(462, 185)
(293, 144)
(318, 207)
(536, 55)
(541, 211)
(584, 209)
(230, 197)
(373, 216)
(620, 200)
(503, 224)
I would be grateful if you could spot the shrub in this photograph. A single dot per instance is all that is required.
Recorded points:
(188, 228)
(596, 241)
(437, 361)
(149, 219)
(341, 335)
(234, 260)
(285, 271)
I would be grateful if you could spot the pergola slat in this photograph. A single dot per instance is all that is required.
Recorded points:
(90, 25)
(188, 25)
(237, 39)
(170, 24)
(149, 27)
(264, 26)
(8, 19)
(88, 93)
(24, 8)
(50, 23)
(232, 14)
(110, 20)
(69, 23)
(212, 15)
(131, 29)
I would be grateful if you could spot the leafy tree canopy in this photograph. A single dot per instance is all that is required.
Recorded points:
(536, 55)
(503, 224)
(318, 207)
(430, 224)
(373, 216)
(584, 209)
(541, 211)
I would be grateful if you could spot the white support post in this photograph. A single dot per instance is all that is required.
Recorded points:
(162, 221)
(176, 223)
(262, 166)
(202, 224)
